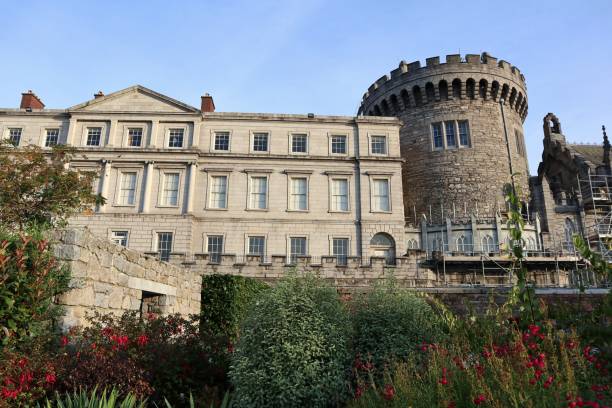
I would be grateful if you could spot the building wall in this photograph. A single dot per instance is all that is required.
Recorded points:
(193, 218)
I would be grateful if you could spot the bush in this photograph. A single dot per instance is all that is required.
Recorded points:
(88, 399)
(392, 324)
(226, 299)
(293, 349)
(30, 278)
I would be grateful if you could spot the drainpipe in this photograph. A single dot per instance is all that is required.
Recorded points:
(359, 232)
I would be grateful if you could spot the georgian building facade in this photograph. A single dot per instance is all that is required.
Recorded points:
(178, 179)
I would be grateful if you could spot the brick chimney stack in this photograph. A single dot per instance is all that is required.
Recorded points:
(98, 94)
(208, 105)
(29, 100)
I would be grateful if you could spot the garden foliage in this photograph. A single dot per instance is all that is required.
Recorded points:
(389, 324)
(293, 348)
(226, 299)
(30, 279)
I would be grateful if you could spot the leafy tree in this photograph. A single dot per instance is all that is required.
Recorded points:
(37, 188)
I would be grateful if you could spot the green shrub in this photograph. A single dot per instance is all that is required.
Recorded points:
(30, 278)
(392, 324)
(293, 350)
(226, 299)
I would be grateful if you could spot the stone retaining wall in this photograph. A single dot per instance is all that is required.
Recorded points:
(110, 278)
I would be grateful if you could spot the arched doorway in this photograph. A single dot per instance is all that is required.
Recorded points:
(383, 245)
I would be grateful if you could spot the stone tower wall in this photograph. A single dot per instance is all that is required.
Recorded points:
(467, 178)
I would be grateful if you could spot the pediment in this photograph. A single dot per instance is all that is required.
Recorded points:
(135, 99)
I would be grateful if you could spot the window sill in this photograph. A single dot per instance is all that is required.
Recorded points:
(380, 212)
(167, 206)
(216, 209)
(125, 205)
(339, 211)
(298, 211)
(257, 209)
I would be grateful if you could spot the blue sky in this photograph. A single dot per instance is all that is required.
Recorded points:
(306, 56)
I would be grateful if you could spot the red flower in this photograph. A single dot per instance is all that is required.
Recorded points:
(50, 378)
(65, 341)
(388, 392)
(358, 392)
(9, 394)
(548, 381)
(479, 399)
(443, 381)
(22, 362)
(142, 340)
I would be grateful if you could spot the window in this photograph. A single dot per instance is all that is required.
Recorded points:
(299, 143)
(215, 248)
(413, 244)
(436, 129)
(298, 199)
(120, 237)
(93, 136)
(135, 137)
(257, 246)
(127, 189)
(488, 244)
(520, 144)
(464, 133)
(259, 192)
(222, 141)
(379, 145)
(170, 189)
(175, 137)
(451, 139)
(164, 245)
(14, 136)
(52, 137)
(340, 249)
(380, 194)
(218, 192)
(260, 142)
(463, 244)
(339, 195)
(297, 248)
(338, 144)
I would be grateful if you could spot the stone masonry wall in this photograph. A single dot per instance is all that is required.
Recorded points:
(110, 278)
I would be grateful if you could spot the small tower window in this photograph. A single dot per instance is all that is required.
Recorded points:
(430, 92)
(470, 88)
(443, 89)
(394, 103)
(418, 97)
(482, 88)
(405, 98)
(457, 88)
(494, 90)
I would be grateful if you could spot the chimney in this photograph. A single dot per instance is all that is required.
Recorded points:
(98, 94)
(207, 103)
(30, 101)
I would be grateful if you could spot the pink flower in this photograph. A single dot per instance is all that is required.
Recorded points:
(50, 378)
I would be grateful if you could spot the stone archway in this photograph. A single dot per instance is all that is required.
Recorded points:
(383, 245)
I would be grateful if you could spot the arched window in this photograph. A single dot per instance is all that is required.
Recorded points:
(488, 244)
(482, 88)
(394, 103)
(383, 245)
(418, 97)
(512, 97)
(430, 92)
(413, 244)
(457, 88)
(505, 91)
(470, 88)
(531, 244)
(494, 90)
(405, 98)
(370, 112)
(519, 102)
(443, 89)
(463, 244)
(385, 108)
(377, 111)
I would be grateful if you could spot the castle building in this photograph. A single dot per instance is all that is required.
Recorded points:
(183, 180)
(415, 180)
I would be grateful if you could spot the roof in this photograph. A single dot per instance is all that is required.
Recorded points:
(592, 153)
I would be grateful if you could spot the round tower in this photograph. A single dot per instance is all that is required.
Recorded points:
(452, 137)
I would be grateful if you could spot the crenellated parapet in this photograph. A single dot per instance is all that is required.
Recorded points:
(474, 77)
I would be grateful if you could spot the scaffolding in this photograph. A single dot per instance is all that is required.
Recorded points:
(596, 192)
